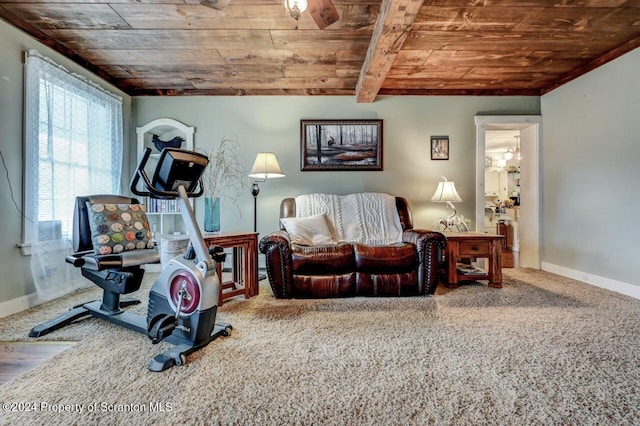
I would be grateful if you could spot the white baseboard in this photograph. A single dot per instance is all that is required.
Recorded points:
(19, 304)
(596, 280)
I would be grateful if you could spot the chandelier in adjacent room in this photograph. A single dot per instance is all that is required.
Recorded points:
(513, 153)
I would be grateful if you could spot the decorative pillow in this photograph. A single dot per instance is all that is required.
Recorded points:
(308, 231)
(118, 227)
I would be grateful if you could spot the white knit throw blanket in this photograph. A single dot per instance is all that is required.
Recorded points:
(366, 217)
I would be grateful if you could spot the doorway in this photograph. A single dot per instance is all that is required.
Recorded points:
(530, 130)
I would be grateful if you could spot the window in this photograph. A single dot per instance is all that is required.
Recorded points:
(73, 146)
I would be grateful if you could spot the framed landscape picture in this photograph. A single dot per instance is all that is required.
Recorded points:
(439, 147)
(340, 145)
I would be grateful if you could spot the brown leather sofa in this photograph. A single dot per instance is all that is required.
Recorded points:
(408, 268)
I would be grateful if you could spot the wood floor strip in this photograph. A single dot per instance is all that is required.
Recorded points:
(17, 358)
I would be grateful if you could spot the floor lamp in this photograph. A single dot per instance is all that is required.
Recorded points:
(265, 167)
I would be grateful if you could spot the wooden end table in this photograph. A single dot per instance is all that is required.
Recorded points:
(244, 267)
(472, 245)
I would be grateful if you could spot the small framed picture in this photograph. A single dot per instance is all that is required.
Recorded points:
(488, 161)
(439, 147)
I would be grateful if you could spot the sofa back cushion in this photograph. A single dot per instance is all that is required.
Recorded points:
(367, 217)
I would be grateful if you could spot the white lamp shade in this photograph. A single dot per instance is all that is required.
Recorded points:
(266, 167)
(446, 191)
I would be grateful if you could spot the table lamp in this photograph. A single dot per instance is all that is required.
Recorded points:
(446, 193)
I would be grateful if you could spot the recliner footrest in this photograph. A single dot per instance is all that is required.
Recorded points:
(392, 259)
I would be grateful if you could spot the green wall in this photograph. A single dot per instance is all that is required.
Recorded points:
(273, 124)
(590, 155)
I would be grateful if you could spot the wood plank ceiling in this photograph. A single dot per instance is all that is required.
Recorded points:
(388, 47)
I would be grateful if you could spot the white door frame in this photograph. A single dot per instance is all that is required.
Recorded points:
(530, 142)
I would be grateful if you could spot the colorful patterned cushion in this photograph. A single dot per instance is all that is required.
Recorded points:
(118, 227)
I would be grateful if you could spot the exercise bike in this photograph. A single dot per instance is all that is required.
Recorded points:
(183, 300)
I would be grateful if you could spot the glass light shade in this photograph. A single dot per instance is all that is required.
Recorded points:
(502, 163)
(509, 154)
(446, 191)
(295, 7)
(266, 167)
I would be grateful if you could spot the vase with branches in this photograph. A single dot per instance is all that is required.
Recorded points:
(224, 177)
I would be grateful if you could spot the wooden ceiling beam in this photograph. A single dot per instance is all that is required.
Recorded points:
(391, 30)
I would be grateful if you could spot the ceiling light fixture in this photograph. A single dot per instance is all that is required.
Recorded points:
(517, 151)
(509, 154)
(513, 153)
(295, 7)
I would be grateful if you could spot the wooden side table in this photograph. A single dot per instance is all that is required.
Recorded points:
(244, 267)
(473, 245)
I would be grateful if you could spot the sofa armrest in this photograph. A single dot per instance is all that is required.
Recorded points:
(277, 249)
(429, 245)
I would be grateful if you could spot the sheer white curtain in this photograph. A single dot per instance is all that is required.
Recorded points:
(73, 147)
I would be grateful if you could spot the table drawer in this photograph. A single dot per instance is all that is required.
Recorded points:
(473, 248)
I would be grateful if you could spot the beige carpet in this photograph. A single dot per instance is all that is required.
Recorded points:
(543, 350)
